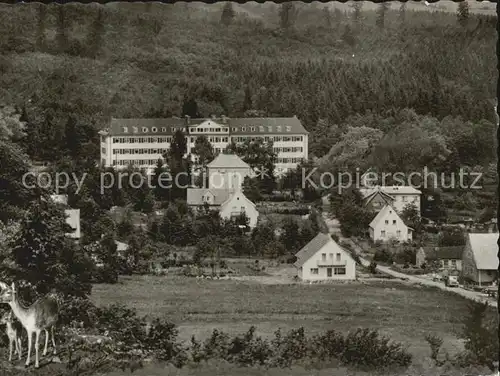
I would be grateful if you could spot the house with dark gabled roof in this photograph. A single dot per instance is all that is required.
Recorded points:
(322, 259)
(448, 258)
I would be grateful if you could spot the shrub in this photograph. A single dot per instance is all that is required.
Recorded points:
(435, 344)
(364, 347)
(292, 346)
(249, 350)
(480, 335)
(383, 255)
(372, 268)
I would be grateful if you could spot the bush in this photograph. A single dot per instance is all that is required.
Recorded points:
(480, 332)
(291, 347)
(372, 268)
(383, 255)
(435, 344)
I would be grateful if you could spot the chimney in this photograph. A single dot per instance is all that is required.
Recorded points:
(187, 118)
(223, 117)
(213, 117)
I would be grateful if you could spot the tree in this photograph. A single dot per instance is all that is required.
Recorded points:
(62, 30)
(251, 189)
(179, 166)
(348, 36)
(204, 150)
(411, 217)
(327, 14)
(45, 257)
(356, 15)
(463, 13)
(290, 236)
(288, 15)
(228, 14)
(96, 34)
(381, 12)
(107, 254)
(41, 40)
(190, 108)
(451, 237)
(160, 182)
(260, 156)
(402, 13)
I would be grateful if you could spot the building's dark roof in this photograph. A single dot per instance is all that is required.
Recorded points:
(237, 126)
(311, 248)
(443, 253)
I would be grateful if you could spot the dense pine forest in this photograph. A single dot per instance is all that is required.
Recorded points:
(377, 86)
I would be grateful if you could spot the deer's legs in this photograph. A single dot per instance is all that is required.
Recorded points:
(37, 337)
(19, 344)
(30, 338)
(46, 342)
(53, 340)
(11, 348)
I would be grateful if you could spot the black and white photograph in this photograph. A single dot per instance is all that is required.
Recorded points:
(249, 188)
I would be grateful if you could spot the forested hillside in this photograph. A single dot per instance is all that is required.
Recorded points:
(395, 88)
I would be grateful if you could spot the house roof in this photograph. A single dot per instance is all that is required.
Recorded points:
(73, 219)
(318, 242)
(443, 253)
(195, 195)
(382, 214)
(374, 194)
(390, 190)
(228, 161)
(484, 249)
(237, 126)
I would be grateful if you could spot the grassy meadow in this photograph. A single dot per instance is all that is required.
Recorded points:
(404, 313)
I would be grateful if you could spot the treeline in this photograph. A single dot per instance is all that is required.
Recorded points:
(135, 67)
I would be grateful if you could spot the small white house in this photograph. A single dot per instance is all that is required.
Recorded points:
(400, 196)
(388, 225)
(230, 204)
(322, 259)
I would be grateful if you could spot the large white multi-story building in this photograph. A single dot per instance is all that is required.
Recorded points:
(141, 142)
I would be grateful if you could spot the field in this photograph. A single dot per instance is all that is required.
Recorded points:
(405, 313)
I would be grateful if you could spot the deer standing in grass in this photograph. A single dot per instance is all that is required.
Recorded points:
(13, 328)
(41, 315)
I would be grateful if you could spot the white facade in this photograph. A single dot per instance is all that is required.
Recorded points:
(238, 204)
(322, 259)
(402, 195)
(142, 142)
(388, 225)
(228, 171)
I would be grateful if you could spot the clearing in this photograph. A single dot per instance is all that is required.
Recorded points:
(403, 312)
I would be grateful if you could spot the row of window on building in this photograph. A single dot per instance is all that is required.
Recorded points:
(259, 128)
(141, 140)
(338, 270)
(135, 162)
(288, 150)
(168, 139)
(398, 233)
(138, 151)
(288, 160)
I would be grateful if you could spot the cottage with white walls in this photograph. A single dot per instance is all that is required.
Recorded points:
(396, 196)
(322, 259)
(388, 225)
(230, 204)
